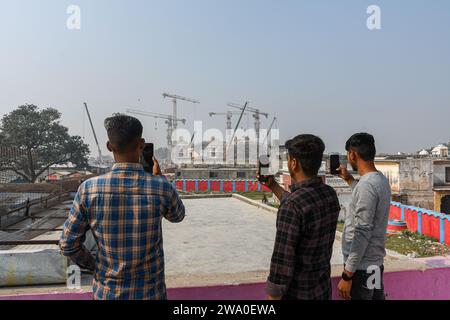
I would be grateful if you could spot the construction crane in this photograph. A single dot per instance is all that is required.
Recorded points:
(100, 157)
(228, 114)
(175, 98)
(268, 131)
(170, 121)
(244, 108)
(256, 115)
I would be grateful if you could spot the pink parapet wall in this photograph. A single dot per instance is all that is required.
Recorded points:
(431, 284)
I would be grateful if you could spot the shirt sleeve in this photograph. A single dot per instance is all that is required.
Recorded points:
(365, 208)
(176, 211)
(74, 234)
(284, 196)
(354, 184)
(283, 257)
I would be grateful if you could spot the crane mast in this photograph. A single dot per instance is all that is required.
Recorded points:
(268, 131)
(175, 99)
(256, 115)
(100, 157)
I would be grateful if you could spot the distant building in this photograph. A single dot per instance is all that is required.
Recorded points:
(422, 182)
(214, 152)
(440, 151)
(62, 166)
(208, 161)
(59, 175)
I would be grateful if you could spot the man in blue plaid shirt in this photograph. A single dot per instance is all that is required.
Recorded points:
(124, 209)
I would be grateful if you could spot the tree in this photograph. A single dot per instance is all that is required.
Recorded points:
(41, 140)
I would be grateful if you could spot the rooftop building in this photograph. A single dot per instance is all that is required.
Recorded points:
(440, 151)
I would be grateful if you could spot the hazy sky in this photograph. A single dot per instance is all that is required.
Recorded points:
(312, 63)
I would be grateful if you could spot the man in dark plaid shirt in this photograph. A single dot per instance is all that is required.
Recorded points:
(124, 209)
(306, 226)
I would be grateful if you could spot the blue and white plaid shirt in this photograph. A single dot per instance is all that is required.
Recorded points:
(124, 209)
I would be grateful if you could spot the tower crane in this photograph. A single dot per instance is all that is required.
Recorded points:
(175, 98)
(256, 115)
(268, 131)
(235, 129)
(228, 114)
(170, 121)
(100, 157)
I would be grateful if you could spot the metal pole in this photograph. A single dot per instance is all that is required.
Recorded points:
(95, 135)
(174, 114)
(229, 115)
(170, 123)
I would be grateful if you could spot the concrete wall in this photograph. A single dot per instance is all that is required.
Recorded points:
(416, 183)
(439, 175)
(391, 169)
(430, 284)
(416, 175)
(421, 199)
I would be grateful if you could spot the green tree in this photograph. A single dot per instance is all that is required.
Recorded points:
(41, 140)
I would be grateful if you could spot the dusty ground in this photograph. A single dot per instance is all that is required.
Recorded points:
(223, 241)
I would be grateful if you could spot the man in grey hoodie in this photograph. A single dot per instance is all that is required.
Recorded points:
(363, 239)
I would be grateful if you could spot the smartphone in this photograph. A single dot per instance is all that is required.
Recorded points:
(147, 157)
(264, 165)
(334, 164)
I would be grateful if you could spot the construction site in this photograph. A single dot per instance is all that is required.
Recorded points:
(221, 251)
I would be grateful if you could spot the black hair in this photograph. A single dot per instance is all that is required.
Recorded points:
(123, 131)
(308, 150)
(364, 145)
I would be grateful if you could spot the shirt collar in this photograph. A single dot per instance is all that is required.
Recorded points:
(127, 167)
(307, 183)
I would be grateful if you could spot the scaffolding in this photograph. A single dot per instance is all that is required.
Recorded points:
(9, 157)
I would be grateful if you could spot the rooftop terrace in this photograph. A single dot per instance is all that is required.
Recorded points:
(222, 250)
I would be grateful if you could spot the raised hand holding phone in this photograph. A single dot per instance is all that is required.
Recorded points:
(334, 164)
(156, 169)
(263, 170)
(147, 158)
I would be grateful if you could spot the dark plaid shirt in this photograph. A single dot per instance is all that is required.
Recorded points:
(306, 227)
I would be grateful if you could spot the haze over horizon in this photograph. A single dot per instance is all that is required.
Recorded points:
(313, 64)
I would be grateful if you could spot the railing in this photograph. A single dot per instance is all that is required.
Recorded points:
(218, 185)
(26, 206)
(28, 242)
(423, 221)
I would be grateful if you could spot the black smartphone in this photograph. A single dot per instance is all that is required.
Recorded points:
(147, 157)
(263, 169)
(334, 164)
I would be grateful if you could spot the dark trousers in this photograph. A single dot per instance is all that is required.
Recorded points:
(363, 285)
